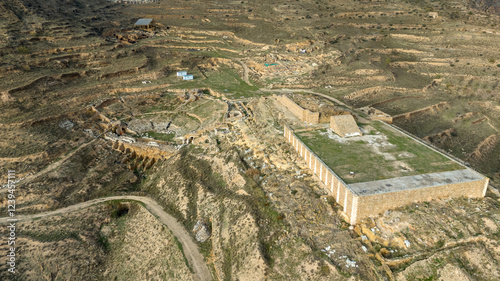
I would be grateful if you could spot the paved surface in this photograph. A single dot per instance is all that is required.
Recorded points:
(190, 248)
(414, 182)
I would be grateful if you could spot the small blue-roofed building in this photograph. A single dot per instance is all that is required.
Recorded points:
(182, 73)
(188, 77)
(147, 24)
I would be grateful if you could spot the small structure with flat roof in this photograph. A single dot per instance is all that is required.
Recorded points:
(147, 24)
(181, 73)
(344, 126)
(188, 77)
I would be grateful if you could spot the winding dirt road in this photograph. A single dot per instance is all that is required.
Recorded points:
(193, 256)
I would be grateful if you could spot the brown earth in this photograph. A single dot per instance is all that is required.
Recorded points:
(69, 70)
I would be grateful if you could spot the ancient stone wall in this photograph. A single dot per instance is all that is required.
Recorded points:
(142, 150)
(371, 205)
(357, 207)
(292, 106)
(303, 114)
(324, 118)
(335, 186)
(310, 117)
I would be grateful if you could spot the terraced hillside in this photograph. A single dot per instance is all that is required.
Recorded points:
(91, 107)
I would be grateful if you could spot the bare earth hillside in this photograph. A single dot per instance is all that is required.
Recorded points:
(91, 107)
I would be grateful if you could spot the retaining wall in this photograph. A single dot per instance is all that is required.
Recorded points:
(386, 118)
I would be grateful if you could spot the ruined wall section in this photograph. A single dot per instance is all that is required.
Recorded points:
(310, 117)
(303, 114)
(335, 186)
(141, 157)
(386, 118)
(323, 118)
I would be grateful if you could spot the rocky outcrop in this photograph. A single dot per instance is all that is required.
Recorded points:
(201, 231)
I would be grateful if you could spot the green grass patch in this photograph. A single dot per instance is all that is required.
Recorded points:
(52, 236)
(226, 80)
(380, 159)
(206, 108)
(183, 255)
(161, 136)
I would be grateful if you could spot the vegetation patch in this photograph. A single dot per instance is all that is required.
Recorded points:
(383, 152)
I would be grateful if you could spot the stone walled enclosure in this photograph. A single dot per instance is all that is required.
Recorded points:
(303, 114)
(358, 204)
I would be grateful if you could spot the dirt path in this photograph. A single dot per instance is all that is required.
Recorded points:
(195, 259)
(53, 165)
(245, 71)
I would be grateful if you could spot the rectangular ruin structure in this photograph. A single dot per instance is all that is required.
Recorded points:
(368, 198)
(376, 114)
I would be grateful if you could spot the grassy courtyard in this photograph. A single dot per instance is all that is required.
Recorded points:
(381, 153)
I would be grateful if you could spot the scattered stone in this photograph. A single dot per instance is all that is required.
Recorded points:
(66, 124)
(407, 244)
(201, 231)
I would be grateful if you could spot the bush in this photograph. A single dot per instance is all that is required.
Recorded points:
(25, 67)
(324, 270)
(252, 172)
(23, 50)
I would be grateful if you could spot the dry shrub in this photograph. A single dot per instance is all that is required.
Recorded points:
(252, 172)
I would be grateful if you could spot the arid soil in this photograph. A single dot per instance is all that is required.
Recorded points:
(91, 107)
